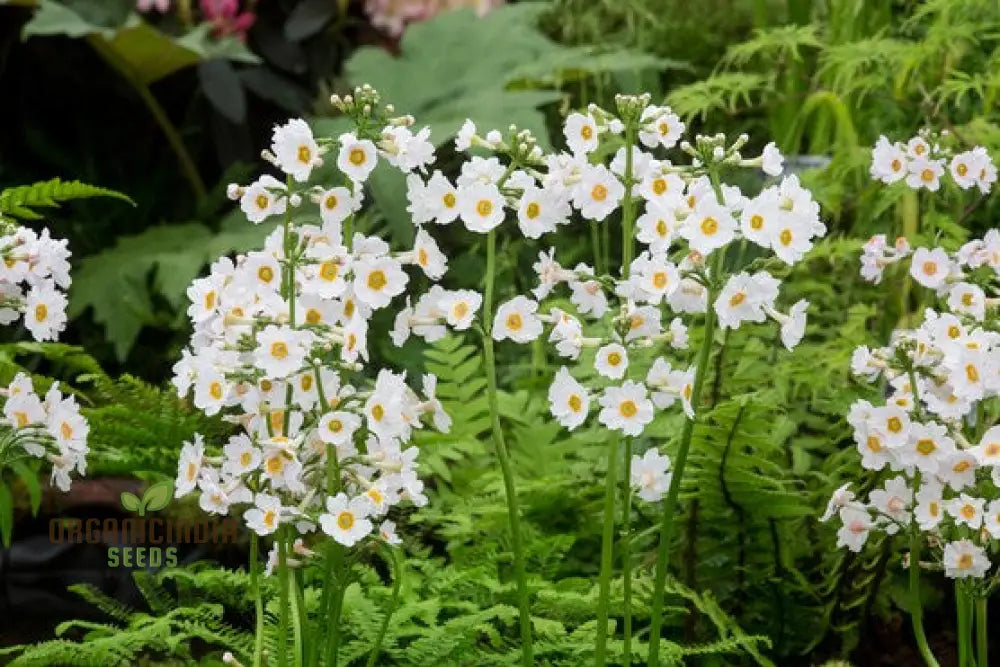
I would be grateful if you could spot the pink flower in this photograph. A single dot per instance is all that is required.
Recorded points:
(226, 17)
(162, 6)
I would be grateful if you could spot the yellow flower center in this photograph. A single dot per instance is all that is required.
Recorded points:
(628, 409)
(275, 464)
(599, 192)
(785, 237)
(896, 164)
(279, 350)
(304, 155)
(41, 312)
(245, 459)
(215, 390)
(968, 512)
(895, 424)
(961, 466)
(972, 373)
(874, 444)
(460, 310)
(965, 561)
(659, 186)
(262, 201)
(575, 403)
(587, 132)
(357, 157)
(962, 169)
(756, 221)
(661, 228)
(266, 274)
(954, 331)
(930, 268)
(926, 446)
(313, 316)
(378, 412)
(659, 279)
(377, 280)
(614, 359)
(270, 516)
(484, 207)
(449, 200)
(532, 210)
(515, 322)
(709, 226)
(330, 202)
(335, 426)
(345, 520)
(737, 299)
(192, 470)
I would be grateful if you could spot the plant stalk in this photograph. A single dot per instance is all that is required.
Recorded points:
(503, 455)
(607, 554)
(982, 635)
(258, 603)
(397, 571)
(626, 548)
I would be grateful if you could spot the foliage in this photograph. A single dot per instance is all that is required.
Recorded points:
(20, 202)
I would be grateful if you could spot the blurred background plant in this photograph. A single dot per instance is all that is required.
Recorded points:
(169, 100)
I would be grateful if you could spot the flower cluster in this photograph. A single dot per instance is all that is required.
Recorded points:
(50, 428)
(34, 276)
(922, 161)
(280, 340)
(684, 215)
(933, 429)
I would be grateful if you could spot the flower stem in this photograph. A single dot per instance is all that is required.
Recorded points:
(607, 553)
(283, 610)
(503, 455)
(627, 555)
(258, 603)
(670, 505)
(982, 647)
(916, 607)
(397, 572)
(962, 609)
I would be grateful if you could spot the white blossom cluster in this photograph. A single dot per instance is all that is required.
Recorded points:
(281, 337)
(933, 430)
(682, 222)
(34, 277)
(922, 161)
(49, 428)
(947, 476)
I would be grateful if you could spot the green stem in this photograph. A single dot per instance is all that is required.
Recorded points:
(670, 505)
(397, 571)
(258, 603)
(627, 555)
(297, 612)
(595, 241)
(607, 553)
(982, 647)
(962, 608)
(916, 606)
(187, 165)
(333, 643)
(628, 212)
(503, 455)
(283, 611)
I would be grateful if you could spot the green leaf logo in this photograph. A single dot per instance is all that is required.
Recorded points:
(155, 498)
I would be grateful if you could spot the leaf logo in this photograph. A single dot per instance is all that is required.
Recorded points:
(155, 498)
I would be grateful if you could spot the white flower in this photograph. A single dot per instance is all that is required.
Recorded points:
(772, 162)
(709, 226)
(569, 402)
(626, 408)
(387, 531)
(428, 256)
(480, 206)
(793, 328)
(241, 456)
(653, 278)
(742, 299)
(346, 519)
(928, 446)
(925, 174)
(407, 151)
(441, 199)
(992, 519)
(357, 157)
(889, 161)
(650, 475)
(611, 361)
(460, 308)
(967, 299)
(598, 193)
(964, 169)
(539, 211)
(963, 558)
(987, 453)
(918, 148)
(842, 497)
(517, 320)
(338, 427)
(790, 238)
(463, 141)
(45, 311)
(657, 227)
(856, 524)
(929, 511)
(893, 502)
(660, 126)
(281, 351)
(930, 268)
(336, 204)
(761, 216)
(581, 133)
(295, 149)
(378, 280)
(189, 466)
(263, 198)
(967, 510)
(265, 517)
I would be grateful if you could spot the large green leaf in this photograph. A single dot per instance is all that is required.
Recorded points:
(144, 52)
(117, 283)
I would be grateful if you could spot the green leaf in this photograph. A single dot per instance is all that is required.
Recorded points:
(130, 501)
(308, 18)
(31, 483)
(20, 201)
(223, 89)
(118, 283)
(158, 495)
